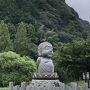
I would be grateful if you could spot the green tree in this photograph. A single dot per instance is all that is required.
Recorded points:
(65, 37)
(15, 68)
(12, 31)
(72, 59)
(21, 40)
(51, 36)
(5, 42)
(36, 33)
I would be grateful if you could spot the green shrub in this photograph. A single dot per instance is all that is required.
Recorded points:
(15, 68)
(4, 88)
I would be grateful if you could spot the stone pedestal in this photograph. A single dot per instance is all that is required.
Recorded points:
(46, 82)
(47, 85)
(45, 78)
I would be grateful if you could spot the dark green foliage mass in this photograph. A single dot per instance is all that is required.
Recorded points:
(53, 14)
(5, 41)
(21, 40)
(72, 59)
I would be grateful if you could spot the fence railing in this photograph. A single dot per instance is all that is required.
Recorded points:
(71, 86)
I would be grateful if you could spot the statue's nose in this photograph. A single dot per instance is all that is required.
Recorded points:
(51, 52)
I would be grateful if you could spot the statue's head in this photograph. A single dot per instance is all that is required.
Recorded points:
(45, 49)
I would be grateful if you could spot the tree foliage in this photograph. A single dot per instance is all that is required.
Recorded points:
(72, 59)
(52, 14)
(5, 42)
(21, 40)
(15, 68)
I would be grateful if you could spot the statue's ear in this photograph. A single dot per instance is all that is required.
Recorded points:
(39, 54)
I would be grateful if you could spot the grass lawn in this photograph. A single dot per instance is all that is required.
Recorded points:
(5, 88)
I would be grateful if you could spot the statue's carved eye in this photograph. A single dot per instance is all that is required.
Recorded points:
(48, 47)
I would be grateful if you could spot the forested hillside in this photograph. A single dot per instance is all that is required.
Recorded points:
(24, 24)
(53, 14)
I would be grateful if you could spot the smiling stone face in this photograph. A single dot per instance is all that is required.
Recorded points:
(45, 49)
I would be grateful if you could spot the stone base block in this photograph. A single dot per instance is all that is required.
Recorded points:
(46, 85)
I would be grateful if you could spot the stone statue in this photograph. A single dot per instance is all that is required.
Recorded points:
(45, 78)
(45, 64)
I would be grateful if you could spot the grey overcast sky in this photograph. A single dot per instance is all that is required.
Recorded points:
(82, 7)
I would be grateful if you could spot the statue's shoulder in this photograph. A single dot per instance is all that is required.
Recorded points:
(39, 58)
